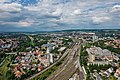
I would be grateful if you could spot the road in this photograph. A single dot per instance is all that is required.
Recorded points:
(32, 39)
(69, 66)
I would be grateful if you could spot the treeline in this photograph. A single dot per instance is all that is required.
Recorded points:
(97, 67)
(83, 57)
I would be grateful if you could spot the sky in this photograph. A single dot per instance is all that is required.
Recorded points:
(52, 15)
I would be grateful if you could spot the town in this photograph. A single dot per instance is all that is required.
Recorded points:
(40, 55)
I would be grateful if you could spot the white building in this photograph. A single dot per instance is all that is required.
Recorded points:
(91, 57)
(49, 47)
(51, 58)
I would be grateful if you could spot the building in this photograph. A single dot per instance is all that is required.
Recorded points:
(99, 54)
(91, 57)
(49, 47)
(99, 62)
(117, 73)
(51, 58)
(89, 36)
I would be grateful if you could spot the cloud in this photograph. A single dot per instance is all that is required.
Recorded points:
(59, 14)
(24, 23)
(115, 8)
(2, 1)
(18, 24)
(98, 20)
(77, 12)
(11, 7)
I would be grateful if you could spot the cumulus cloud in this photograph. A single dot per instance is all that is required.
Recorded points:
(2, 1)
(24, 24)
(98, 20)
(115, 8)
(11, 7)
(18, 24)
(59, 14)
(77, 12)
